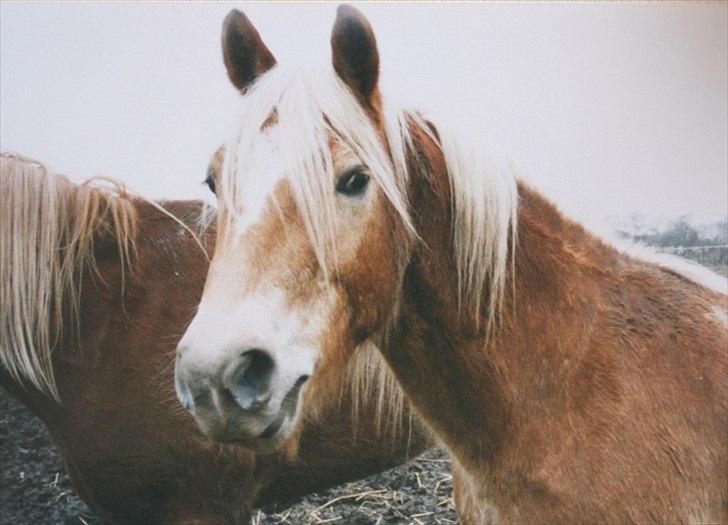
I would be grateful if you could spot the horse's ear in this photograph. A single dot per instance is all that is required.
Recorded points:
(245, 54)
(355, 55)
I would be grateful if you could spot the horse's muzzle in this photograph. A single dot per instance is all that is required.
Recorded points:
(245, 400)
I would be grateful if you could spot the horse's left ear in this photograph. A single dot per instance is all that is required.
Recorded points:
(355, 55)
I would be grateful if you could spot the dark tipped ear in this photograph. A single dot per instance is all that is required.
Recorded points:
(355, 55)
(245, 54)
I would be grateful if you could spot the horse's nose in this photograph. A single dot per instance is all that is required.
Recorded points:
(249, 380)
(245, 382)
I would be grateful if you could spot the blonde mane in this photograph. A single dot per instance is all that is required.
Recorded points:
(370, 378)
(47, 231)
(295, 114)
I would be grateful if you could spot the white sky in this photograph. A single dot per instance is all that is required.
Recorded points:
(610, 109)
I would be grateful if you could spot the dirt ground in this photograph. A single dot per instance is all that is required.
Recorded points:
(34, 486)
(35, 489)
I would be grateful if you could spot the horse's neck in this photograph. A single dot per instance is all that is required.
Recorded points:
(466, 384)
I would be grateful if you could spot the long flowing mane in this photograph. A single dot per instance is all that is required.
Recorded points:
(47, 231)
(308, 108)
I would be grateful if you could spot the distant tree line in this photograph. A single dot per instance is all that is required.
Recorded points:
(705, 245)
(681, 233)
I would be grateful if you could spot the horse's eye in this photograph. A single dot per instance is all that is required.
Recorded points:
(210, 179)
(353, 182)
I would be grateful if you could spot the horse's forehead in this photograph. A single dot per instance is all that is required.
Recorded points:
(266, 164)
(271, 120)
(265, 167)
(342, 154)
(261, 170)
(262, 196)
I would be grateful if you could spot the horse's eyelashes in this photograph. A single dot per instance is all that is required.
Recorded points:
(353, 182)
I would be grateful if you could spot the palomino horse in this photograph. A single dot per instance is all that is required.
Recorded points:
(110, 281)
(570, 381)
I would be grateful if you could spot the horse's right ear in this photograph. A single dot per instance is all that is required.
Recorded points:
(355, 55)
(245, 54)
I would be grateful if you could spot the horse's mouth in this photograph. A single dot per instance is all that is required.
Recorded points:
(287, 411)
(275, 426)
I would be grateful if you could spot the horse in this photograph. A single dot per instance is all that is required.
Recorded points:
(97, 285)
(570, 381)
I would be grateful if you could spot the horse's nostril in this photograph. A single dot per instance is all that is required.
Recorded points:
(250, 382)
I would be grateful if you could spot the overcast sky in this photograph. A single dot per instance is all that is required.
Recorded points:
(610, 109)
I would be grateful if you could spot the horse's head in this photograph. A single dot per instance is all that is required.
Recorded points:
(313, 237)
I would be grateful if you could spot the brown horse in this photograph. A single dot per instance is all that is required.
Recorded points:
(570, 381)
(109, 282)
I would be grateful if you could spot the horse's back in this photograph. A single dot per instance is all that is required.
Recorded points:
(668, 406)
